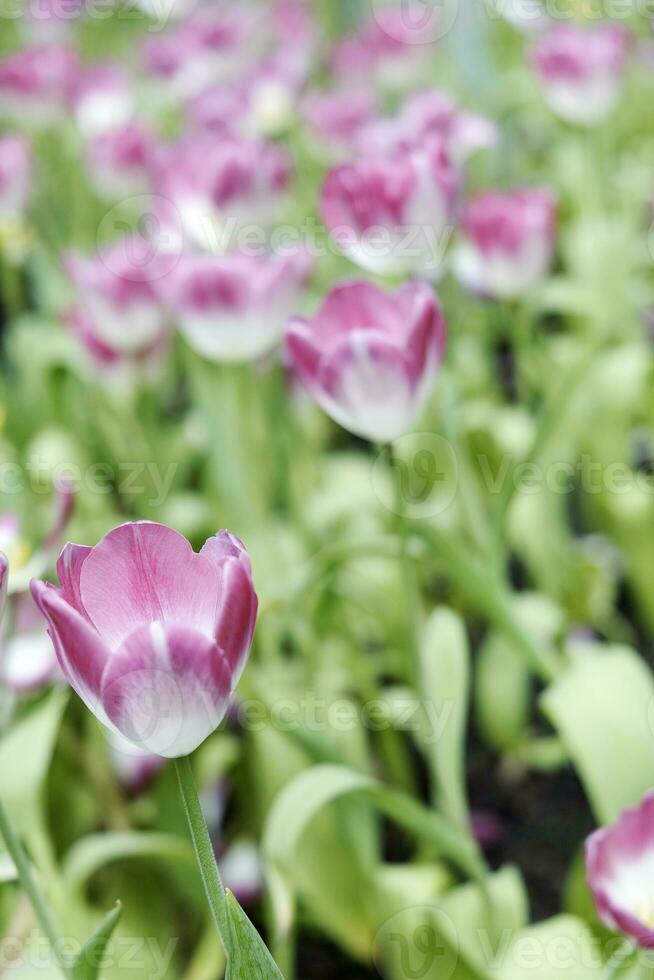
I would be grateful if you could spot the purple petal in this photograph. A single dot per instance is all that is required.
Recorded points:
(80, 651)
(237, 616)
(143, 572)
(69, 569)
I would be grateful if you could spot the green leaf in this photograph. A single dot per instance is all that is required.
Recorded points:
(25, 754)
(302, 799)
(603, 710)
(95, 851)
(562, 948)
(88, 964)
(249, 957)
(445, 686)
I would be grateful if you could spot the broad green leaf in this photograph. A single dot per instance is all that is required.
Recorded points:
(97, 850)
(562, 948)
(249, 957)
(25, 754)
(603, 710)
(88, 964)
(445, 688)
(302, 799)
(454, 937)
(503, 684)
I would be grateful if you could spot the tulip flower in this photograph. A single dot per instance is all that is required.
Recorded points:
(393, 216)
(37, 84)
(152, 635)
(370, 357)
(117, 300)
(432, 114)
(118, 161)
(27, 662)
(203, 183)
(336, 118)
(619, 862)
(15, 177)
(234, 307)
(581, 70)
(508, 242)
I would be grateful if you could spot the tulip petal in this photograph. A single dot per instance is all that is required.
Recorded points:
(80, 651)
(142, 572)
(167, 688)
(69, 569)
(236, 616)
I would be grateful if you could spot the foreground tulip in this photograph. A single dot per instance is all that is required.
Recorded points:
(234, 307)
(15, 177)
(152, 636)
(581, 70)
(393, 216)
(619, 866)
(509, 241)
(370, 357)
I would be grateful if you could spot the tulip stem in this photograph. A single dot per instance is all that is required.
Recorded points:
(203, 847)
(411, 590)
(620, 961)
(42, 911)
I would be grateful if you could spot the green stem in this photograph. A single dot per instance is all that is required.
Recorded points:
(42, 911)
(203, 847)
(411, 589)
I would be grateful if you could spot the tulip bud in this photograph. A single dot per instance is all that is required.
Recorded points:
(581, 70)
(370, 357)
(37, 84)
(234, 307)
(508, 244)
(393, 216)
(151, 635)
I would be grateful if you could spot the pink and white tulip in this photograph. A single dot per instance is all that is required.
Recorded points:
(37, 85)
(117, 297)
(152, 635)
(234, 307)
(16, 177)
(205, 185)
(620, 872)
(335, 118)
(27, 662)
(370, 357)
(393, 216)
(119, 161)
(508, 242)
(426, 116)
(581, 70)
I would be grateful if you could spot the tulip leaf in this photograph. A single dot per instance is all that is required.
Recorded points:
(303, 798)
(88, 964)
(25, 753)
(97, 850)
(562, 948)
(445, 673)
(603, 710)
(248, 955)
